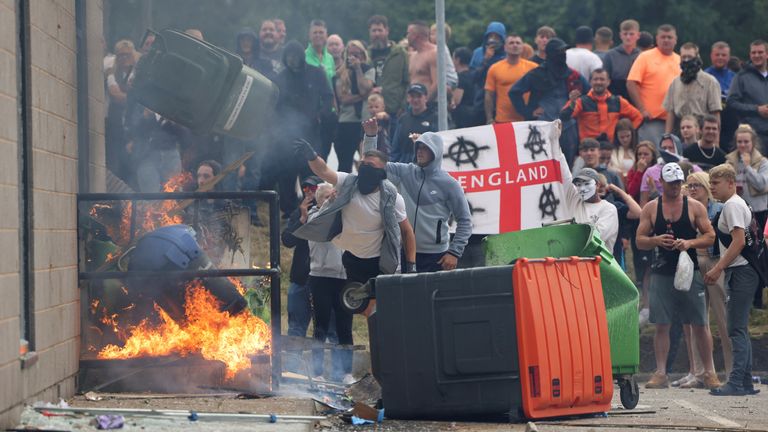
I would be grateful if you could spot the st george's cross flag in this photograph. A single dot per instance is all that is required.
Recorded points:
(510, 173)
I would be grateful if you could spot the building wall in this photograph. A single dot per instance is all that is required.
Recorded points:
(54, 141)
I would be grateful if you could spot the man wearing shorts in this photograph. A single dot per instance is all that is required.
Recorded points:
(669, 225)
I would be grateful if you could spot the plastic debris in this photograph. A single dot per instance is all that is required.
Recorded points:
(110, 421)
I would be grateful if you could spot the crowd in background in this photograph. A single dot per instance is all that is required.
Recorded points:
(633, 115)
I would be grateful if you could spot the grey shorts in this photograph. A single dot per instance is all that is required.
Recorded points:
(668, 304)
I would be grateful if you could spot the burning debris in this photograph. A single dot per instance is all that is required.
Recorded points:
(215, 334)
(162, 315)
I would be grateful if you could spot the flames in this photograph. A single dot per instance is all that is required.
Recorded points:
(213, 334)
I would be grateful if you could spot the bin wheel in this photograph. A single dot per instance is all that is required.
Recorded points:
(629, 392)
(354, 299)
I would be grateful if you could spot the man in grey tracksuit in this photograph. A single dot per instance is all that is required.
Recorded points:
(432, 198)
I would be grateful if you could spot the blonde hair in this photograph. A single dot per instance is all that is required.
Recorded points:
(703, 179)
(322, 193)
(747, 129)
(344, 72)
(375, 97)
(723, 171)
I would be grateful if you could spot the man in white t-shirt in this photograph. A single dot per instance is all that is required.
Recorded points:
(741, 279)
(373, 222)
(581, 58)
(586, 206)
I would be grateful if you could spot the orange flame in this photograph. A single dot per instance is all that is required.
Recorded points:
(214, 334)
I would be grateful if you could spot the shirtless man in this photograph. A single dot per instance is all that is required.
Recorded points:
(422, 66)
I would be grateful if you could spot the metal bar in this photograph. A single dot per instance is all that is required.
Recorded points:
(83, 103)
(274, 296)
(442, 94)
(142, 362)
(164, 196)
(132, 225)
(179, 273)
(178, 413)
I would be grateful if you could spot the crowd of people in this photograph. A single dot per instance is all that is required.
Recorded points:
(661, 155)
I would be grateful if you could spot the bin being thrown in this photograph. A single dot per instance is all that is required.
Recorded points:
(203, 87)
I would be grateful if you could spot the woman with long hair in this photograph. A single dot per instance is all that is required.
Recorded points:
(624, 142)
(751, 179)
(352, 85)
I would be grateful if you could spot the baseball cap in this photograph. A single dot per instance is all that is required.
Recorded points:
(417, 88)
(583, 35)
(311, 181)
(588, 174)
(672, 172)
(556, 44)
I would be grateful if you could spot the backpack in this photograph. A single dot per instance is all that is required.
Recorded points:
(754, 251)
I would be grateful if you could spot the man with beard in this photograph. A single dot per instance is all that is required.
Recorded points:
(694, 92)
(270, 47)
(305, 101)
(707, 152)
(550, 86)
(391, 64)
(649, 79)
(367, 219)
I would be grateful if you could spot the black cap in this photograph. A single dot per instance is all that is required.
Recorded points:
(311, 181)
(583, 35)
(556, 44)
(417, 88)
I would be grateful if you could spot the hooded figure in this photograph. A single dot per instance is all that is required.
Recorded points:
(549, 86)
(305, 96)
(478, 56)
(247, 47)
(432, 197)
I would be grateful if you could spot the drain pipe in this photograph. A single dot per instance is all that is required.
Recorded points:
(83, 123)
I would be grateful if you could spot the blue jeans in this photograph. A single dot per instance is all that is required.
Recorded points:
(299, 310)
(740, 285)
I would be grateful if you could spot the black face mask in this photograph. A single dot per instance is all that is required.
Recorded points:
(369, 178)
(690, 68)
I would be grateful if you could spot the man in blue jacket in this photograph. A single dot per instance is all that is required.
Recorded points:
(432, 197)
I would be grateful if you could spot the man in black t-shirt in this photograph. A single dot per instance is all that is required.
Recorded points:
(706, 152)
(463, 110)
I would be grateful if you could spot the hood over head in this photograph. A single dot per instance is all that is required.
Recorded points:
(296, 49)
(495, 27)
(249, 33)
(434, 142)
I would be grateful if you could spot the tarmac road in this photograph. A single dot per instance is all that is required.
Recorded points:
(658, 410)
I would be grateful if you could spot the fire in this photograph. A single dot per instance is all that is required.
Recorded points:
(238, 285)
(214, 334)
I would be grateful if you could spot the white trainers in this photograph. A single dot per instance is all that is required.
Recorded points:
(348, 379)
(683, 380)
(643, 317)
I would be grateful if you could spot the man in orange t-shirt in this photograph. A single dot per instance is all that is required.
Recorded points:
(501, 77)
(649, 79)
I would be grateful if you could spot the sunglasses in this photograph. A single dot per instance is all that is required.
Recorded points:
(309, 188)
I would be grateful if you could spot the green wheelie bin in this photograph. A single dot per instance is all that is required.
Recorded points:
(203, 87)
(620, 294)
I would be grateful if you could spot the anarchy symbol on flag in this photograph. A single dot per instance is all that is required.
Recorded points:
(509, 170)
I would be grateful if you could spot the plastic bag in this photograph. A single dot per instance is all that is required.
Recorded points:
(684, 273)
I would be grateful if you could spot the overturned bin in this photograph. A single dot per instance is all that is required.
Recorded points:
(619, 293)
(203, 87)
(471, 344)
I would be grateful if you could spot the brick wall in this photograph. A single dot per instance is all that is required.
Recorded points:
(54, 140)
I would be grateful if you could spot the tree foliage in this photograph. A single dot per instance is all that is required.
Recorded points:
(700, 21)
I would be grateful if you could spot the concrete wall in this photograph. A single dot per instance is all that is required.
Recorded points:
(54, 126)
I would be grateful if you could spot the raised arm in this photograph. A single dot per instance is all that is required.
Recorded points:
(318, 166)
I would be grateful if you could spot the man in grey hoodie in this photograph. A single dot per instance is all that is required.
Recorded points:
(432, 197)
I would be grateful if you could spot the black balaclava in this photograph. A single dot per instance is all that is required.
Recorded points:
(369, 178)
(690, 68)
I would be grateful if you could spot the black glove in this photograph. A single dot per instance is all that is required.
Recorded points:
(409, 267)
(304, 149)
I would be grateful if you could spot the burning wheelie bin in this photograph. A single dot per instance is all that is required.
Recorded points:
(619, 292)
